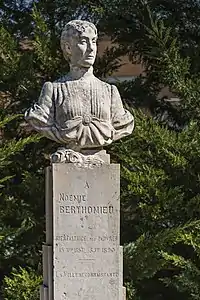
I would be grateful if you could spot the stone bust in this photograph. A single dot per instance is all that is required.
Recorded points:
(79, 111)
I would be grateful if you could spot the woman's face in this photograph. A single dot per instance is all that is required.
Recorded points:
(83, 48)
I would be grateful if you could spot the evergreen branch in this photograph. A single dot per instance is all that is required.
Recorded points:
(12, 147)
(4, 180)
(8, 119)
(146, 255)
(172, 70)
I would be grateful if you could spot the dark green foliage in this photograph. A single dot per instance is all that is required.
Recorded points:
(15, 218)
(160, 185)
(160, 210)
(29, 54)
(22, 285)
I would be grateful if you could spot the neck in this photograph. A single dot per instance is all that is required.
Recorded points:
(80, 72)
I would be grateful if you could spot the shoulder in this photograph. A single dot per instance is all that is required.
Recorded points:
(107, 85)
(47, 88)
(114, 89)
(51, 86)
(48, 85)
(103, 84)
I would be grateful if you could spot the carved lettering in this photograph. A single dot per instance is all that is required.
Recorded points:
(62, 209)
(91, 250)
(71, 209)
(112, 238)
(86, 274)
(86, 185)
(83, 238)
(71, 238)
(71, 198)
(108, 250)
(96, 209)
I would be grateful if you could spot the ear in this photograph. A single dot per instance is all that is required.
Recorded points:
(68, 49)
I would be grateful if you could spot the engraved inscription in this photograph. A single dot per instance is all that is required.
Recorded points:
(72, 209)
(84, 238)
(71, 238)
(81, 209)
(67, 197)
(86, 274)
(86, 252)
(87, 185)
(89, 250)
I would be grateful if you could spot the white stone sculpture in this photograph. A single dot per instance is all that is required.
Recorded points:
(79, 111)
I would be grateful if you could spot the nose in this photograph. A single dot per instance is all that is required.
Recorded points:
(91, 46)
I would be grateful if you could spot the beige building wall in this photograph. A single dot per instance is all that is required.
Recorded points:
(128, 70)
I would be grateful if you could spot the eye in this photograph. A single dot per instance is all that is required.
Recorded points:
(83, 41)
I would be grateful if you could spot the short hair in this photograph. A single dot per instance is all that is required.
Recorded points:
(73, 28)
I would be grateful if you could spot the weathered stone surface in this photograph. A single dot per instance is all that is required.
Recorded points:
(50, 272)
(121, 272)
(78, 110)
(46, 295)
(86, 248)
(45, 264)
(49, 206)
(124, 293)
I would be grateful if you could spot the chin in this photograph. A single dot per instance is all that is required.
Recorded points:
(86, 65)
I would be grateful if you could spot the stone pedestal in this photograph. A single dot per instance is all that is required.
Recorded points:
(82, 257)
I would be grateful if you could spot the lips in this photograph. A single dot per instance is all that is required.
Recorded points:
(89, 57)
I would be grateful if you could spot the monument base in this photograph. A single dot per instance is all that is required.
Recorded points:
(82, 257)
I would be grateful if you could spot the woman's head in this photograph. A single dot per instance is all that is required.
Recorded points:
(78, 43)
